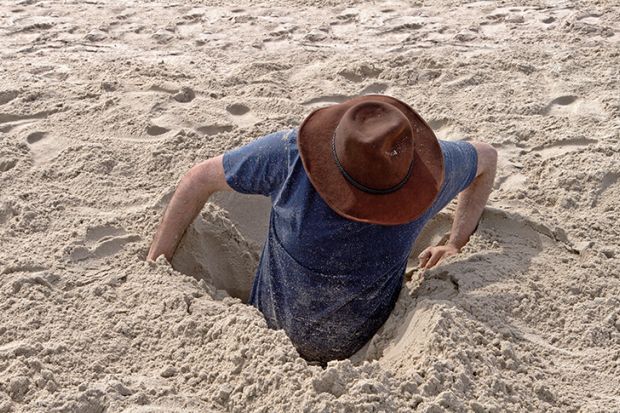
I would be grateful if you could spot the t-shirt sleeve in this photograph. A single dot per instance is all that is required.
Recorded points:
(259, 167)
(460, 167)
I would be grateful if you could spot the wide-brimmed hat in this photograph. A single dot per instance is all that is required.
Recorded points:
(372, 159)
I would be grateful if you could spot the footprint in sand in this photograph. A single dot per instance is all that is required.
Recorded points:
(327, 99)
(608, 192)
(574, 105)
(184, 95)
(560, 148)
(7, 164)
(402, 24)
(12, 121)
(360, 73)
(8, 95)
(589, 24)
(216, 129)
(10, 117)
(44, 147)
(241, 114)
(374, 89)
(101, 241)
(237, 109)
(445, 129)
(509, 177)
(371, 89)
(154, 130)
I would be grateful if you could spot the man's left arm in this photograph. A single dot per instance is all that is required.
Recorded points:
(470, 205)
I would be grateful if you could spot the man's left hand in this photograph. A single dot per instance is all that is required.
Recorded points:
(431, 256)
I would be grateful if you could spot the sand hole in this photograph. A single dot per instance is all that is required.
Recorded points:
(223, 244)
(405, 335)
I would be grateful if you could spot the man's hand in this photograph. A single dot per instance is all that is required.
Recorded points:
(432, 256)
(469, 208)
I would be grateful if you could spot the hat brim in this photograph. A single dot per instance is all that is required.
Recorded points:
(400, 207)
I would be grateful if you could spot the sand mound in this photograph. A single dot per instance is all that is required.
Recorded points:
(103, 106)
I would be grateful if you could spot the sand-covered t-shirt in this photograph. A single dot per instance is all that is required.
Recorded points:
(329, 282)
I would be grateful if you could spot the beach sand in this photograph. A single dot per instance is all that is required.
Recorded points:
(105, 104)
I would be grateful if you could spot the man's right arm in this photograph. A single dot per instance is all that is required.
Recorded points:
(193, 191)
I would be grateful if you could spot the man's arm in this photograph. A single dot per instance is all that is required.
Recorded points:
(191, 194)
(470, 205)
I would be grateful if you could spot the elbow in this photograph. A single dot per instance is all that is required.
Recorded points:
(202, 180)
(487, 158)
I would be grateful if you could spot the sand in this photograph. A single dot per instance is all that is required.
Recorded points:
(105, 104)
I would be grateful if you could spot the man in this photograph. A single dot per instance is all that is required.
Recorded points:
(350, 190)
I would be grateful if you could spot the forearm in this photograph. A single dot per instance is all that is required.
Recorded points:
(470, 205)
(181, 211)
(192, 193)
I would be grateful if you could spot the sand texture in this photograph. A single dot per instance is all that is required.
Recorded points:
(105, 104)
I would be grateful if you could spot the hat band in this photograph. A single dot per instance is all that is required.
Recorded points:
(363, 187)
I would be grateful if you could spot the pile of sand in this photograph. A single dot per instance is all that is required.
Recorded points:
(104, 105)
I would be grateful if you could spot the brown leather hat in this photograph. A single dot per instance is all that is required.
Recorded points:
(372, 159)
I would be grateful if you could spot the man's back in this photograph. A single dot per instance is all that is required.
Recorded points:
(328, 281)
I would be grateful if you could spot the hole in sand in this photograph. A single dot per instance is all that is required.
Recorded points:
(222, 248)
(223, 244)
(407, 334)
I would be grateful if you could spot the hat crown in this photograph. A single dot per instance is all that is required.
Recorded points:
(374, 143)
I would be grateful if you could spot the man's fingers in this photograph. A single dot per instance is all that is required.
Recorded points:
(433, 255)
(437, 257)
(434, 259)
(424, 257)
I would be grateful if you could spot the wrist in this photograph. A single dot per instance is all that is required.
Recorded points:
(455, 244)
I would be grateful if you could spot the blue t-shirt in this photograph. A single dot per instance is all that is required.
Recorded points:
(329, 282)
